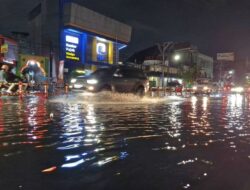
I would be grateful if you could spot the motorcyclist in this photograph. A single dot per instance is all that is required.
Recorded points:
(10, 79)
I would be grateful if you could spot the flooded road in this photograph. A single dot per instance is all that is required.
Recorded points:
(116, 142)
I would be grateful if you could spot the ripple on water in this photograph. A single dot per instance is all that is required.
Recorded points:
(138, 139)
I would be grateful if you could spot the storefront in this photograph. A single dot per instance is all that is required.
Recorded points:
(86, 39)
(83, 50)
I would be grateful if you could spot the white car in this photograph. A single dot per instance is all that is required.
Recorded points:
(202, 87)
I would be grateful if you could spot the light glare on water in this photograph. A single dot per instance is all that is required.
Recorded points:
(113, 141)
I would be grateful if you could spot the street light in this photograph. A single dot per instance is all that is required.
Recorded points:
(177, 57)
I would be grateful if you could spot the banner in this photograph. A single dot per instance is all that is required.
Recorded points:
(225, 56)
(61, 70)
(4, 48)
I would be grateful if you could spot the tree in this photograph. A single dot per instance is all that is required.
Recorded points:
(191, 74)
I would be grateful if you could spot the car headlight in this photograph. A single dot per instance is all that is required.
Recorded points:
(205, 88)
(237, 89)
(194, 87)
(92, 81)
(91, 88)
(73, 81)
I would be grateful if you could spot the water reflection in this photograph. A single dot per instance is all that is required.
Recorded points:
(72, 134)
(164, 145)
(235, 101)
(22, 123)
(84, 134)
(205, 102)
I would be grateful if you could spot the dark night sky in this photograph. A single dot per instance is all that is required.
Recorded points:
(212, 25)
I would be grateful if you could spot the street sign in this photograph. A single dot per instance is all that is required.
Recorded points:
(225, 56)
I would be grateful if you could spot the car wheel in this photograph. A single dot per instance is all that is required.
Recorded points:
(106, 88)
(140, 91)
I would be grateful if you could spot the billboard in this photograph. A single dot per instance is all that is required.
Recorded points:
(80, 48)
(72, 46)
(226, 56)
(11, 55)
(102, 50)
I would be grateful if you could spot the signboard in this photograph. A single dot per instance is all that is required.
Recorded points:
(101, 51)
(72, 47)
(225, 56)
(4, 48)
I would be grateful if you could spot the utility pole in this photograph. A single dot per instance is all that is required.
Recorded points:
(116, 49)
(163, 49)
(50, 60)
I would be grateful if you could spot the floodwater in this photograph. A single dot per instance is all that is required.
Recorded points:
(123, 142)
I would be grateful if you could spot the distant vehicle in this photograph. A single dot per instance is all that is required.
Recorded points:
(202, 86)
(227, 88)
(216, 87)
(247, 89)
(238, 90)
(174, 86)
(116, 78)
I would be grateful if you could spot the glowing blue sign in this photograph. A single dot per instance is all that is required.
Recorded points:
(72, 46)
(72, 39)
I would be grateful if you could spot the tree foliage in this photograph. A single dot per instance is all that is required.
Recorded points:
(190, 75)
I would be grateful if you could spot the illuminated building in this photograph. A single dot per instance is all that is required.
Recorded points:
(75, 37)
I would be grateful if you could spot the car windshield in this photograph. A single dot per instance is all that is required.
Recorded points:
(102, 72)
(77, 73)
(173, 84)
(203, 82)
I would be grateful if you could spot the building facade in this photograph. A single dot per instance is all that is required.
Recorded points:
(171, 65)
(75, 37)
